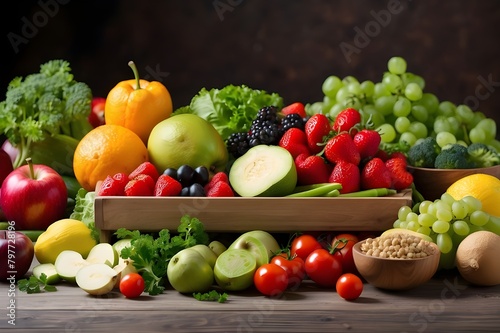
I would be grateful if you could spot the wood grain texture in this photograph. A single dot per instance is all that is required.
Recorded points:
(446, 303)
(244, 214)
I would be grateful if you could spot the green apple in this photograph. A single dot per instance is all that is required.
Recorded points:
(68, 263)
(189, 272)
(253, 245)
(264, 171)
(96, 279)
(207, 253)
(261, 243)
(217, 247)
(103, 253)
(49, 269)
(234, 269)
(119, 245)
(186, 139)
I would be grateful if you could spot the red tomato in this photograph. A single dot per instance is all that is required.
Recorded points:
(271, 279)
(303, 245)
(294, 267)
(349, 286)
(342, 245)
(323, 267)
(132, 285)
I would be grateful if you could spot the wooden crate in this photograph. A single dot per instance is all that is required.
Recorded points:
(244, 214)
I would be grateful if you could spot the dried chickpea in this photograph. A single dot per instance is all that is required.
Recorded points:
(397, 246)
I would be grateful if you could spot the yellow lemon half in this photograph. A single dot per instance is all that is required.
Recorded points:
(65, 234)
(485, 188)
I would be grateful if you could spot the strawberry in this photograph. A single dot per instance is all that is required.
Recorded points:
(220, 189)
(145, 168)
(401, 178)
(295, 141)
(399, 155)
(167, 186)
(141, 185)
(296, 107)
(346, 174)
(382, 154)
(316, 128)
(311, 169)
(367, 142)
(375, 175)
(113, 185)
(342, 148)
(346, 120)
(220, 176)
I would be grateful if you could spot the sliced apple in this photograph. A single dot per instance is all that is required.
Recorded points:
(234, 269)
(50, 272)
(68, 263)
(96, 279)
(123, 269)
(103, 253)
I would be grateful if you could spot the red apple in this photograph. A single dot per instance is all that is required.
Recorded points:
(33, 196)
(16, 254)
(96, 116)
(5, 165)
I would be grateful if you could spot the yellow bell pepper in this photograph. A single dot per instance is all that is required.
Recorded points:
(138, 105)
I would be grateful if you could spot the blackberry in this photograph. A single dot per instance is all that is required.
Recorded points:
(265, 129)
(292, 120)
(267, 113)
(237, 144)
(267, 133)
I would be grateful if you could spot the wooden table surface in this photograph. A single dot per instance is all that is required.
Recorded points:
(445, 304)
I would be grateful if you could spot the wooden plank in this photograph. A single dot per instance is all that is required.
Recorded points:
(446, 303)
(243, 214)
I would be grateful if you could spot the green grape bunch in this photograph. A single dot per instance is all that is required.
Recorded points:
(447, 221)
(403, 112)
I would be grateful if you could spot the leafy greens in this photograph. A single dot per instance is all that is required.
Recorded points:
(232, 108)
(46, 105)
(150, 255)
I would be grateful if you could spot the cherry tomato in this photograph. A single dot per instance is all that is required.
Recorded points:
(303, 245)
(271, 279)
(349, 286)
(294, 267)
(342, 245)
(132, 285)
(323, 267)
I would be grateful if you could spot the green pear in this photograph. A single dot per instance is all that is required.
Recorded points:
(189, 272)
(186, 139)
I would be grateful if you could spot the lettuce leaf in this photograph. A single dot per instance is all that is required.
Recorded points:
(84, 211)
(232, 108)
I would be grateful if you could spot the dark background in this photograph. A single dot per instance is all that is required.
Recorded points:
(282, 46)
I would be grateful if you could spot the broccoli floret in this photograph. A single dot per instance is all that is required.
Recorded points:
(454, 156)
(482, 155)
(424, 153)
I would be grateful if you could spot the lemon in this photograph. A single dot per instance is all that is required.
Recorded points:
(65, 234)
(485, 188)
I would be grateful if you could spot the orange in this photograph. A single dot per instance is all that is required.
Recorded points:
(484, 187)
(107, 150)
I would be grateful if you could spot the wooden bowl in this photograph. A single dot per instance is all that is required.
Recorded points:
(395, 274)
(432, 183)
